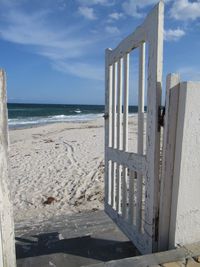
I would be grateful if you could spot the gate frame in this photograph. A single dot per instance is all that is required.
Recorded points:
(151, 31)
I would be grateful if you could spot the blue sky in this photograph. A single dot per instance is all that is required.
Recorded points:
(53, 50)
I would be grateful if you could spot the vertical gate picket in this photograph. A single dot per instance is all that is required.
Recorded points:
(113, 168)
(108, 125)
(140, 148)
(131, 197)
(119, 132)
(125, 132)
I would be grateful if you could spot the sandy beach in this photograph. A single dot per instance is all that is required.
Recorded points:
(63, 162)
(58, 168)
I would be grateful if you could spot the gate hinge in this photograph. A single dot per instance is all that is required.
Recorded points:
(106, 116)
(161, 117)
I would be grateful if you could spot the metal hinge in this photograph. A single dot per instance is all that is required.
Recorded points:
(161, 117)
(106, 116)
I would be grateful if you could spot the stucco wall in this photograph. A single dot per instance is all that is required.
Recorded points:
(185, 213)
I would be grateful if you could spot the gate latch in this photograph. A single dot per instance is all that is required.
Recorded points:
(106, 116)
(161, 117)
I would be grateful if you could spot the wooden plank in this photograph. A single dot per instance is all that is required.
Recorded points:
(7, 244)
(125, 132)
(113, 184)
(131, 197)
(1, 249)
(124, 191)
(140, 148)
(141, 87)
(114, 104)
(132, 161)
(169, 140)
(155, 41)
(114, 117)
(156, 259)
(119, 132)
(119, 106)
(126, 98)
(108, 120)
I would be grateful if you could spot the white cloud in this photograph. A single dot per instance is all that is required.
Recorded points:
(116, 16)
(96, 2)
(189, 73)
(87, 12)
(112, 30)
(133, 7)
(173, 35)
(82, 70)
(61, 46)
(185, 10)
(31, 29)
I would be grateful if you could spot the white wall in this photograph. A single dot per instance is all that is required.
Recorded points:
(185, 210)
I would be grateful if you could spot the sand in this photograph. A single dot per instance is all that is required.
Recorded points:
(58, 168)
(62, 162)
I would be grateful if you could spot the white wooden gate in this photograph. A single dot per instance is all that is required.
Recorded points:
(128, 175)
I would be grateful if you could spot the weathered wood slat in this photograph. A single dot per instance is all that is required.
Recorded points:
(126, 98)
(108, 126)
(140, 148)
(141, 87)
(119, 132)
(155, 259)
(114, 105)
(125, 132)
(169, 140)
(124, 191)
(132, 161)
(119, 105)
(131, 194)
(7, 245)
(113, 144)
(154, 85)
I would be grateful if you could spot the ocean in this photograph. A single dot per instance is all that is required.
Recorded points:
(28, 115)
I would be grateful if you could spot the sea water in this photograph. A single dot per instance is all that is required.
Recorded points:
(27, 115)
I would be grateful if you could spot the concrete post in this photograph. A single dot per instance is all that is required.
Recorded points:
(185, 207)
(7, 245)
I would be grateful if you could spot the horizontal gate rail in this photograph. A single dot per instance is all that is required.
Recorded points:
(133, 161)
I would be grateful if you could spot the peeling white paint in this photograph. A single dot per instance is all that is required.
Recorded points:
(185, 214)
(7, 245)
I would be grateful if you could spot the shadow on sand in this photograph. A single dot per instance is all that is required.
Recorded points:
(87, 246)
